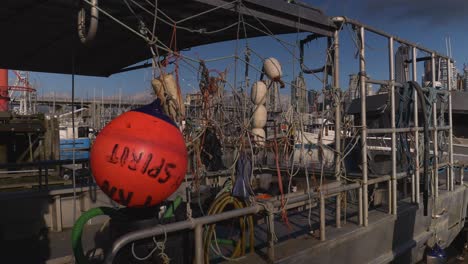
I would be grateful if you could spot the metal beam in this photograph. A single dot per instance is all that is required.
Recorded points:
(293, 16)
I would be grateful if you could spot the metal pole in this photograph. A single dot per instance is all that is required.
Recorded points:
(362, 70)
(345, 207)
(338, 211)
(322, 217)
(462, 175)
(360, 206)
(271, 236)
(416, 133)
(336, 85)
(403, 130)
(434, 140)
(199, 244)
(392, 99)
(450, 88)
(389, 186)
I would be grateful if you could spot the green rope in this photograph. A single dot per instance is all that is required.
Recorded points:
(77, 230)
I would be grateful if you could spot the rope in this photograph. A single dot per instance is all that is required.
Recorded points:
(161, 246)
(218, 206)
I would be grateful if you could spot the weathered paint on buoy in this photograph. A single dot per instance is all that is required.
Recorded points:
(139, 159)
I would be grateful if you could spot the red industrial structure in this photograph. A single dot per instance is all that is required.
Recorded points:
(4, 99)
(21, 85)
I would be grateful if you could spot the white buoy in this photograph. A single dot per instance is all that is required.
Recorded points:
(170, 85)
(259, 117)
(259, 136)
(272, 68)
(259, 93)
(158, 89)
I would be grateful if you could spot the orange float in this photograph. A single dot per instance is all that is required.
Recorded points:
(139, 159)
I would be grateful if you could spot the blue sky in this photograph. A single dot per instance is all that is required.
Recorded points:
(426, 22)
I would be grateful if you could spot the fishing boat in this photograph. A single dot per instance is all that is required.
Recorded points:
(234, 173)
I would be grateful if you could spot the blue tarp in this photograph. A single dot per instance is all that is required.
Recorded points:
(82, 146)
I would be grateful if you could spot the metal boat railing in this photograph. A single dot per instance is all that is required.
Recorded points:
(363, 180)
(44, 167)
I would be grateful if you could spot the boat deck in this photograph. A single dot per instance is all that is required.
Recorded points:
(385, 239)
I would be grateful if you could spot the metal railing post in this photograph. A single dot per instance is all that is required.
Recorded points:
(416, 133)
(462, 174)
(450, 88)
(389, 187)
(336, 85)
(199, 244)
(392, 120)
(271, 234)
(360, 206)
(362, 71)
(322, 217)
(338, 211)
(435, 133)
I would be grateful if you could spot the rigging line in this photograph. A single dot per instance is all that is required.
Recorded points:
(281, 41)
(171, 23)
(268, 30)
(357, 42)
(260, 71)
(220, 58)
(131, 9)
(208, 11)
(245, 29)
(160, 11)
(219, 30)
(272, 36)
(167, 49)
(236, 58)
(155, 17)
(118, 21)
(184, 57)
(174, 23)
(167, 16)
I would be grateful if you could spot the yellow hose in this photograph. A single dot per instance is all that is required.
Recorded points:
(218, 206)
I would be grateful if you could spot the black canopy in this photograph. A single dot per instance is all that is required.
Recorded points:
(41, 35)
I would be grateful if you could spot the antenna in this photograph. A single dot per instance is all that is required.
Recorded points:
(447, 46)
(450, 46)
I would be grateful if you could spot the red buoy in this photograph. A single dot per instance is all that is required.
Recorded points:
(139, 159)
